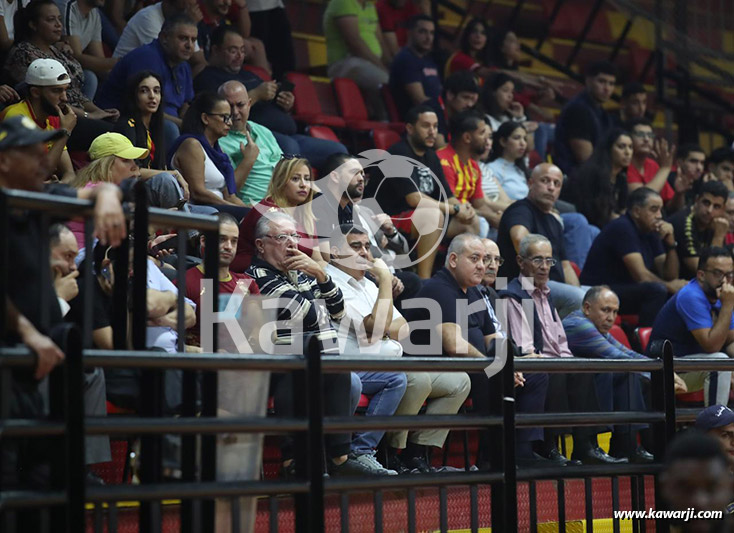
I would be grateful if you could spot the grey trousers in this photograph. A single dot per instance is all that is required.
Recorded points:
(96, 447)
(445, 393)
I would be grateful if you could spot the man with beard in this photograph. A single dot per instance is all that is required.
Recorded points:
(414, 75)
(469, 134)
(385, 240)
(399, 196)
(704, 224)
(46, 104)
(644, 171)
(698, 322)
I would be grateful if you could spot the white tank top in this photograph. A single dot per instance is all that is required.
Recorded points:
(213, 178)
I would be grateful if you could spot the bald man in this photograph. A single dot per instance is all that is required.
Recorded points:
(534, 214)
(261, 152)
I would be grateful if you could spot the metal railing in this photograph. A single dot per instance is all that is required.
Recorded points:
(198, 488)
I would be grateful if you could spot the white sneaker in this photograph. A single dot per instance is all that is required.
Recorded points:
(370, 461)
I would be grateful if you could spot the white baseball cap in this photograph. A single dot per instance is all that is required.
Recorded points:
(46, 73)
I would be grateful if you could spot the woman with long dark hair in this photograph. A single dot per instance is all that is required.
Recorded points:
(197, 156)
(598, 189)
(141, 117)
(507, 159)
(474, 53)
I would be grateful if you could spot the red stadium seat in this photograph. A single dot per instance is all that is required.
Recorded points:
(643, 335)
(352, 108)
(576, 269)
(618, 333)
(322, 132)
(384, 139)
(393, 112)
(307, 108)
(364, 402)
(258, 71)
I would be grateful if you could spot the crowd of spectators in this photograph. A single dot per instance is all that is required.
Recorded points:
(527, 256)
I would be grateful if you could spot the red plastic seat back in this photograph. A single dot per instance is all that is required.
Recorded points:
(323, 132)
(384, 138)
(390, 105)
(643, 334)
(349, 98)
(619, 334)
(306, 98)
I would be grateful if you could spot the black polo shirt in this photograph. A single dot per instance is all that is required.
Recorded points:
(620, 237)
(525, 213)
(443, 289)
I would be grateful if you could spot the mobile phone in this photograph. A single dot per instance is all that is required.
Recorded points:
(168, 244)
(284, 86)
(106, 273)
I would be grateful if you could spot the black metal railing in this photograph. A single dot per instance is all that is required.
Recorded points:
(198, 489)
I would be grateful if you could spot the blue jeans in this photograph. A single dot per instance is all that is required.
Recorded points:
(544, 135)
(170, 133)
(89, 87)
(578, 235)
(315, 150)
(567, 298)
(386, 390)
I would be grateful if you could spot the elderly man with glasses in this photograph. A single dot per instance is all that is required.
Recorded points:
(698, 322)
(538, 331)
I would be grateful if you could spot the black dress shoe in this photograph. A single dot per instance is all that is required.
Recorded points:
(537, 461)
(641, 456)
(597, 456)
(558, 458)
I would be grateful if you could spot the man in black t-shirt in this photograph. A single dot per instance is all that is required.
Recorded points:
(702, 225)
(534, 214)
(400, 196)
(583, 121)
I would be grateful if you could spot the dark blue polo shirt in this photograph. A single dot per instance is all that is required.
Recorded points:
(581, 118)
(178, 87)
(407, 68)
(443, 289)
(620, 237)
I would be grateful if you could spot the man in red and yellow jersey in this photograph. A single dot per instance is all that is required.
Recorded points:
(229, 282)
(46, 105)
(469, 135)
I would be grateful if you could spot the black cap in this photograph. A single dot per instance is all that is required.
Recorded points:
(22, 131)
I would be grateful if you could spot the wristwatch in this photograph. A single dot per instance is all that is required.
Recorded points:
(65, 132)
(670, 246)
(457, 208)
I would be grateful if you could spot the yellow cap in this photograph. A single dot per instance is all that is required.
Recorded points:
(115, 144)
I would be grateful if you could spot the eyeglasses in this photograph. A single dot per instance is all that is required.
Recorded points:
(288, 157)
(718, 274)
(644, 134)
(224, 116)
(494, 258)
(282, 237)
(538, 261)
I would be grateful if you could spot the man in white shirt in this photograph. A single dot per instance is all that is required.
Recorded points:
(83, 30)
(374, 326)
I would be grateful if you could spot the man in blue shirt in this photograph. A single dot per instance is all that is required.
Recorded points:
(636, 256)
(583, 121)
(698, 322)
(414, 75)
(167, 56)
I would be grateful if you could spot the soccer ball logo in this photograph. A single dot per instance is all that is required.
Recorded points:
(424, 220)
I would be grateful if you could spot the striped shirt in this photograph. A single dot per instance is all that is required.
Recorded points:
(465, 180)
(302, 312)
(586, 341)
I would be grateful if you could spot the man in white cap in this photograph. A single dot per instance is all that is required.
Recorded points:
(46, 104)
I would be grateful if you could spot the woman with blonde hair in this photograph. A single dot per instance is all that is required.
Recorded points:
(291, 190)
